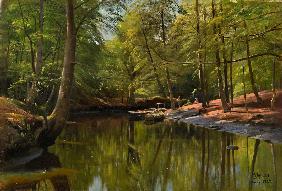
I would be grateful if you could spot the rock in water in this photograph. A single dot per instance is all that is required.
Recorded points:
(154, 117)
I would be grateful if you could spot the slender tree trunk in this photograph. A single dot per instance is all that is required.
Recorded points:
(205, 60)
(273, 100)
(200, 60)
(39, 62)
(244, 88)
(160, 86)
(225, 106)
(251, 73)
(168, 77)
(4, 55)
(169, 84)
(225, 66)
(4, 47)
(32, 54)
(57, 120)
(231, 73)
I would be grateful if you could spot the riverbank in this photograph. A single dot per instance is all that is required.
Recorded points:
(16, 128)
(258, 121)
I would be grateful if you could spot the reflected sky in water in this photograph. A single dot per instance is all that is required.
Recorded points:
(111, 153)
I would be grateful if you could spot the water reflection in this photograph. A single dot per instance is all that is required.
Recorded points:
(111, 153)
(43, 173)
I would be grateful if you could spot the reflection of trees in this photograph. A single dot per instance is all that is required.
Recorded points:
(202, 174)
(133, 155)
(159, 146)
(274, 186)
(256, 147)
(45, 162)
(222, 165)
(208, 163)
(228, 137)
(168, 161)
(168, 157)
(233, 165)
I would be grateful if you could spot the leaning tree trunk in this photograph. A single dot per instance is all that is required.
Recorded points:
(251, 73)
(148, 50)
(225, 106)
(57, 120)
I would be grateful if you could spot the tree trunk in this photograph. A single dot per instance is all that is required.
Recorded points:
(252, 79)
(200, 60)
(225, 106)
(39, 62)
(57, 119)
(4, 54)
(131, 96)
(225, 66)
(160, 86)
(205, 60)
(3, 63)
(169, 85)
(273, 99)
(168, 78)
(231, 73)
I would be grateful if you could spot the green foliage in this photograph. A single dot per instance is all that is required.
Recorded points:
(134, 52)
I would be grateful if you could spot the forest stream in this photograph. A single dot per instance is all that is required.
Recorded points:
(109, 152)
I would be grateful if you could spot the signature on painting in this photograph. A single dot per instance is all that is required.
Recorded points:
(261, 178)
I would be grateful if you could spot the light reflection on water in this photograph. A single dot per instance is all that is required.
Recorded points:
(109, 152)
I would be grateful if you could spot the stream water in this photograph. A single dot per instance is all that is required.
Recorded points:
(110, 153)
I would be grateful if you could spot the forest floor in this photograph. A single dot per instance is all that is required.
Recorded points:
(257, 121)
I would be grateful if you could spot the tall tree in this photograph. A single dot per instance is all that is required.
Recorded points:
(57, 120)
(225, 106)
(225, 66)
(249, 61)
(32, 94)
(199, 57)
(168, 76)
